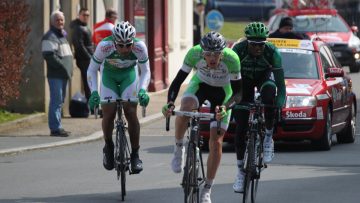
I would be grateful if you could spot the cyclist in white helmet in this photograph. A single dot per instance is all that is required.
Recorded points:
(118, 57)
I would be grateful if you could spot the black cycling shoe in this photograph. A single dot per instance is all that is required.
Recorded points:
(108, 156)
(136, 163)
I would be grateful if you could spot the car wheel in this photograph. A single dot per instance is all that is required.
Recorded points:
(354, 68)
(347, 135)
(325, 142)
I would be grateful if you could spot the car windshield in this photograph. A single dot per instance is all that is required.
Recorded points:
(299, 64)
(319, 23)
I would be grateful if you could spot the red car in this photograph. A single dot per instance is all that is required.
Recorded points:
(327, 24)
(319, 97)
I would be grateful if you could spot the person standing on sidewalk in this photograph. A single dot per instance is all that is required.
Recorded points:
(119, 56)
(59, 59)
(198, 23)
(81, 40)
(217, 79)
(104, 28)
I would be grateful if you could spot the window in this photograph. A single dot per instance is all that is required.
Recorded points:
(140, 19)
(325, 60)
(299, 64)
(319, 23)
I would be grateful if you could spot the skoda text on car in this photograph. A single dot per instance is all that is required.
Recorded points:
(319, 97)
(327, 24)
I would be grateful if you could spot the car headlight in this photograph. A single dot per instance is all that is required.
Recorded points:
(300, 101)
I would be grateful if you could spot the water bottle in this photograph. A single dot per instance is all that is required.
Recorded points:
(197, 154)
(197, 151)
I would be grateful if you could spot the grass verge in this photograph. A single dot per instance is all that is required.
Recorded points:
(232, 30)
(6, 116)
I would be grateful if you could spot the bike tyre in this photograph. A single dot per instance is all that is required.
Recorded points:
(190, 176)
(249, 167)
(259, 164)
(122, 159)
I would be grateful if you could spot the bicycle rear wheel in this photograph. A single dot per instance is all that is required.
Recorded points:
(190, 178)
(121, 160)
(249, 160)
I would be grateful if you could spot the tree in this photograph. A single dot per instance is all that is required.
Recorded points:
(13, 36)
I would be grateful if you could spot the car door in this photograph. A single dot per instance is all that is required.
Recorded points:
(344, 110)
(334, 87)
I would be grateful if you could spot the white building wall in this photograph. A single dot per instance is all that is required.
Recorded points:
(180, 34)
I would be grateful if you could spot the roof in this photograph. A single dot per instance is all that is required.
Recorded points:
(297, 12)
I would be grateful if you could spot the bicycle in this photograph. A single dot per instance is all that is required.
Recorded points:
(122, 150)
(253, 157)
(192, 179)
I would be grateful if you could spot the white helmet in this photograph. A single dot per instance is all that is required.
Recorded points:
(123, 32)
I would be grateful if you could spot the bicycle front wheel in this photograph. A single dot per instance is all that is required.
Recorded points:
(259, 165)
(249, 165)
(120, 158)
(190, 178)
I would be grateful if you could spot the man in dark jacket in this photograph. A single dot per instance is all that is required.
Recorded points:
(81, 40)
(57, 54)
(198, 22)
(286, 30)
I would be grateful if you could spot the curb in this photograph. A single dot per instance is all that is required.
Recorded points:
(39, 117)
(95, 136)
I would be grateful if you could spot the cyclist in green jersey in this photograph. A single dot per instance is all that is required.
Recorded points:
(261, 68)
(119, 56)
(217, 77)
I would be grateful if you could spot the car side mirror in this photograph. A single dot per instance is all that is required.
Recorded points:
(354, 29)
(334, 72)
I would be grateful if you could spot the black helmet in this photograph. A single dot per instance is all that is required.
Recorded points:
(213, 41)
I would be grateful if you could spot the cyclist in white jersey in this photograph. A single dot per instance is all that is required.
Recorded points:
(118, 57)
(217, 79)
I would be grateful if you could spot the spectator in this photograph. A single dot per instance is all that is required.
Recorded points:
(81, 40)
(104, 28)
(57, 54)
(198, 22)
(286, 30)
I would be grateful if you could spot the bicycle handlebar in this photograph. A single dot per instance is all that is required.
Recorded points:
(193, 114)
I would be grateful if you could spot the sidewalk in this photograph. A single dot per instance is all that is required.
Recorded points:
(35, 135)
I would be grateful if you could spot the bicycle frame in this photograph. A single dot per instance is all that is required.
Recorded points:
(253, 159)
(192, 180)
(122, 150)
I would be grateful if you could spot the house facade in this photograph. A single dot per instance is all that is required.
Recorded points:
(164, 25)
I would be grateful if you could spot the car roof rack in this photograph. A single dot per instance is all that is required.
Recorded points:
(306, 4)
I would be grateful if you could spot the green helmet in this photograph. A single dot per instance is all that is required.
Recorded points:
(256, 30)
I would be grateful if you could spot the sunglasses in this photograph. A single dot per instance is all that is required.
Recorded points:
(212, 53)
(257, 43)
(123, 45)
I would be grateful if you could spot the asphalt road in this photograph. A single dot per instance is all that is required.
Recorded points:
(75, 173)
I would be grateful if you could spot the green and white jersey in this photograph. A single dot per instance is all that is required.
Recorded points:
(109, 59)
(107, 53)
(228, 69)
